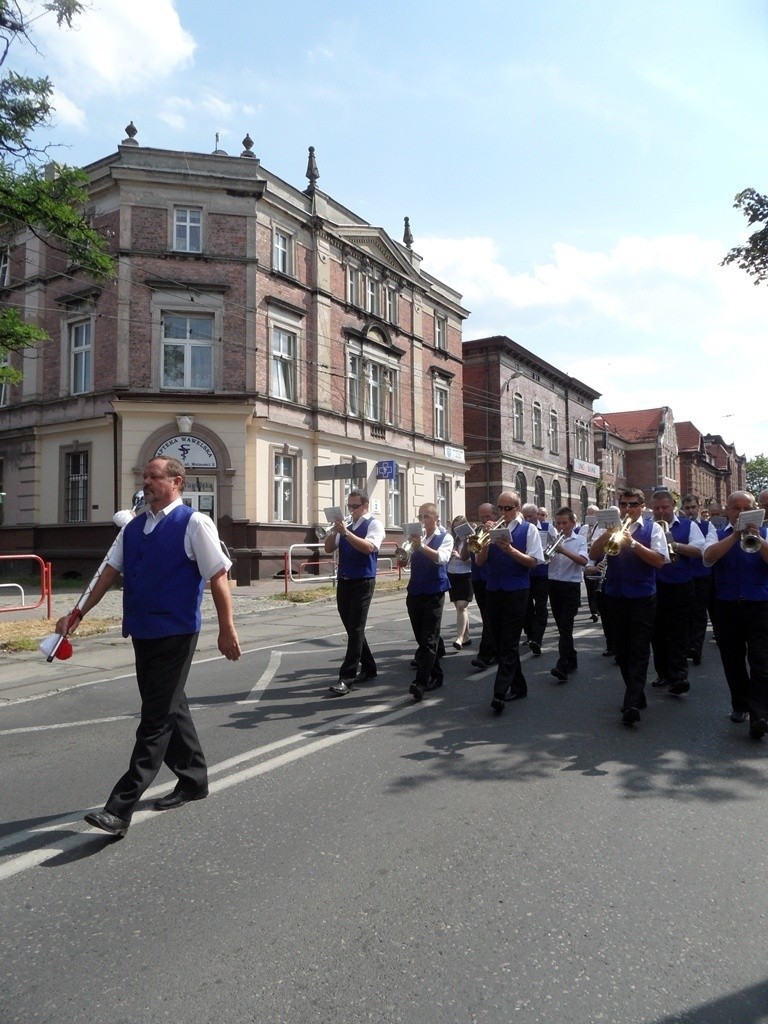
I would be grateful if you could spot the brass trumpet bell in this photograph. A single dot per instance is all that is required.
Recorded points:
(482, 538)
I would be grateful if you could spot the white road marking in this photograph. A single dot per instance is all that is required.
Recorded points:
(265, 679)
(341, 729)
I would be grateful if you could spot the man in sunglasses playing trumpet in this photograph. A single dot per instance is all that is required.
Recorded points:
(636, 550)
(510, 559)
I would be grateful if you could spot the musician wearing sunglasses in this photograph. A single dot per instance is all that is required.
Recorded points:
(509, 559)
(739, 561)
(634, 552)
(357, 542)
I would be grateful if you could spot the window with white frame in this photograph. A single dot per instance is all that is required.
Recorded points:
(517, 417)
(441, 412)
(537, 426)
(284, 364)
(581, 441)
(5, 269)
(443, 500)
(284, 488)
(441, 332)
(396, 500)
(371, 388)
(372, 295)
(187, 229)
(390, 304)
(76, 486)
(187, 352)
(281, 252)
(353, 286)
(80, 358)
(554, 432)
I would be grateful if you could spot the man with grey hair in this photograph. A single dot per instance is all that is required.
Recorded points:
(741, 612)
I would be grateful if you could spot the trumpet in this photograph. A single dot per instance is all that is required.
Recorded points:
(671, 543)
(482, 538)
(614, 542)
(554, 544)
(750, 542)
(404, 551)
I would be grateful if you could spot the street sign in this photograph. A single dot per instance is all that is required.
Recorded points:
(346, 471)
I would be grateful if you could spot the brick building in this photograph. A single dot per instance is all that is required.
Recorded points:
(528, 427)
(264, 334)
(636, 449)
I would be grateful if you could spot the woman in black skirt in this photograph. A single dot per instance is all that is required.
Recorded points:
(460, 581)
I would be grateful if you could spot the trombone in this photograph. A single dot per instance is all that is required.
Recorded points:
(482, 538)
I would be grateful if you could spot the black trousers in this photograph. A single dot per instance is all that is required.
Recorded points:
(702, 591)
(592, 585)
(506, 615)
(487, 649)
(426, 612)
(565, 599)
(605, 618)
(632, 627)
(166, 732)
(353, 599)
(672, 630)
(743, 645)
(536, 612)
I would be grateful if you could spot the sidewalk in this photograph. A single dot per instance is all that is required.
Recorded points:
(27, 674)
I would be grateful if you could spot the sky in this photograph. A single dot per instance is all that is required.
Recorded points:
(568, 167)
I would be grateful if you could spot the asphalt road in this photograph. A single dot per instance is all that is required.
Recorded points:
(370, 859)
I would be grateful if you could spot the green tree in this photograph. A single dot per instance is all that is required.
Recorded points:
(49, 205)
(757, 474)
(752, 257)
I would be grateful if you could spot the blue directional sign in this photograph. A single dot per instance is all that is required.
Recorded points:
(386, 470)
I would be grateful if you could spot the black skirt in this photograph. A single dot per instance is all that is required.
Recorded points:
(460, 586)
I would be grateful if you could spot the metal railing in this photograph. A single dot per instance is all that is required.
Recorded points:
(290, 576)
(46, 585)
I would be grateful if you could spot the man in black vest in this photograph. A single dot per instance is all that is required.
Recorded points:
(358, 544)
(165, 558)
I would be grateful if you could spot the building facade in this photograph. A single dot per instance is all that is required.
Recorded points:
(528, 428)
(279, 345)
(636, 449)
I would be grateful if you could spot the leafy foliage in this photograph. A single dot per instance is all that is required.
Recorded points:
(752, 257)
(757, 474)
(49, 205)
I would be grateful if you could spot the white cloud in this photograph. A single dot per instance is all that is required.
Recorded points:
(654, 321)
(117, 45)
(67, 113)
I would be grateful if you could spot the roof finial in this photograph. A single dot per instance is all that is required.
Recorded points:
(131, 132)
(247, 147)
(312, 172)
(407, 235)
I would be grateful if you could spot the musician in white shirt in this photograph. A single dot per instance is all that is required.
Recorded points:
(566, 567)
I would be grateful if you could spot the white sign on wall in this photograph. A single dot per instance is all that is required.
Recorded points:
(189, 450)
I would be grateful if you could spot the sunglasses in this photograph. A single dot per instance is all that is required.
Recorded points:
(629, 504)
(507, 508)
(353, 507)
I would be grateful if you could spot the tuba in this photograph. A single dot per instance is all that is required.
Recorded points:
(614, 542)
(482, 538)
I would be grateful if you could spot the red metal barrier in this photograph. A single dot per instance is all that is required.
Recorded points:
(46, 584)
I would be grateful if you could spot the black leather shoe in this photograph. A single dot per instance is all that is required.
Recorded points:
(479, 663)
(108, 822)
(434, 684)
(339, 689)
(560, 675)
(758, 727)
(630, 715)
(363, 677)
(658, 682)
(515, 694)
(739, 716)
(696, 659)
(607, 653)
(416, 690)
(498, 705)
(179, 797)
(676, 689)
(534, 648)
